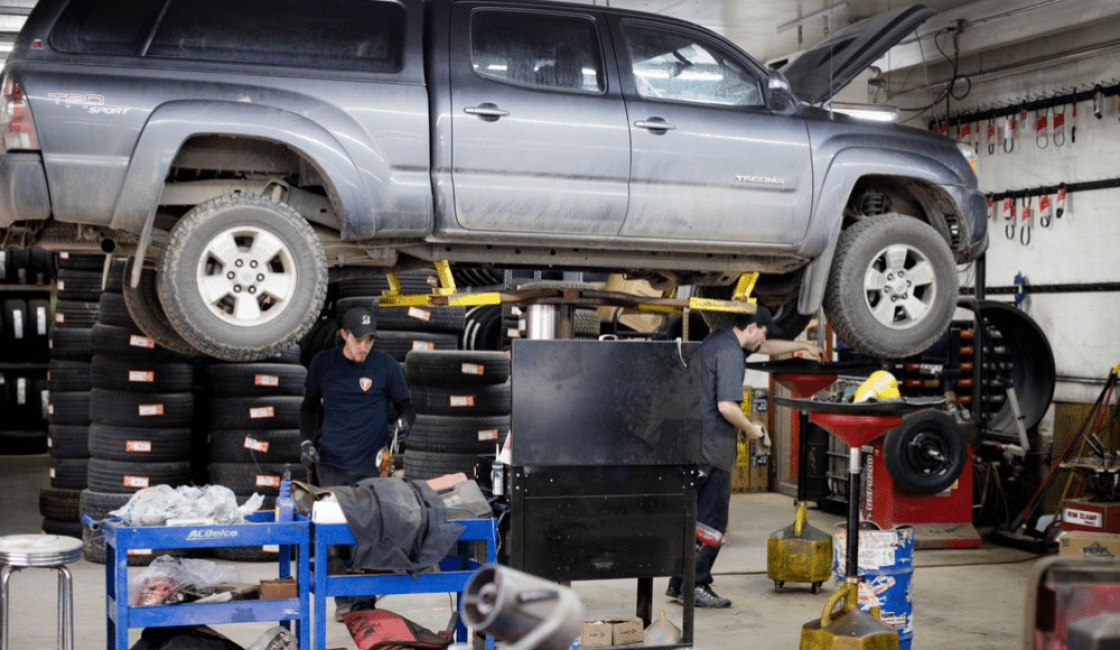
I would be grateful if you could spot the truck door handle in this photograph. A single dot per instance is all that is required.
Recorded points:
(655, 124)
(488, 111)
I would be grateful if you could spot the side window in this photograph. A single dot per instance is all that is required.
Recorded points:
(675, 66)
(545, 51)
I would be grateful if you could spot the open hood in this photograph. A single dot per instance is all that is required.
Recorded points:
(821, 72)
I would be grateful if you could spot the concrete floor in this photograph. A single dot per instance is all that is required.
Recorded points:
(961, 598)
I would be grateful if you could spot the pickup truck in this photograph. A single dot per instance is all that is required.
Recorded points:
(239, 151)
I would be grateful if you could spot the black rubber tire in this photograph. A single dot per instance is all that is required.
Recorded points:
(62, 527)
(230, 340)
(68, 375)
(925, 454)
(128, 409)
(56, 503)
(408, 319)
(267, 412)
(255, 446)
(458, 434)
(146, 311)
(82, 261)
(69, 473)
(14, 326)
(68, 441)
(123, 476)
(23, 442)
(245, 553)
(129, 342)
(70, 408)
(491, 399)
(256, 379)
(72, 343)
(421, 465)
(74, 284)
(398, 344)
(375, 283)
(39, 320)
(483, 328)
(71, 313)
(916, 251)
(247, 478)
(141, 375)
(112, 311)
(456, 367)
(139, 444)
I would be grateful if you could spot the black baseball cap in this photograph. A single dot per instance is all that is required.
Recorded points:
(360, 322)
(762, 318)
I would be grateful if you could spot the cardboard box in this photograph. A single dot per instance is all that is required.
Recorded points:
(278, 589)
(597, 634)
(1084, 544)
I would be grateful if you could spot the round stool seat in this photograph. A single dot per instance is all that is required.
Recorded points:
(39, 550)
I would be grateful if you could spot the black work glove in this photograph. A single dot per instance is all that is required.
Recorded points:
(308, 455)
(403, 428)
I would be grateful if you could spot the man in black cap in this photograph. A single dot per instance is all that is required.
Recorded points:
(344, 419)
(722, 418)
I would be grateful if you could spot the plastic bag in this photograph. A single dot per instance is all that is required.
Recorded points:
(275, 638)
(166, 577)
(162, 504)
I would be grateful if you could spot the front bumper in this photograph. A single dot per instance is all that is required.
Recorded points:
(23, 189)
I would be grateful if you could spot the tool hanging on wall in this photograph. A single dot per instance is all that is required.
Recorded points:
(1073, 124)
(1027, 223)
(1009, 217)
(1044, 211)
(1060, 207)
(992, 212)
(1059, 126)
(1098, 102)
(1009, 134)
(1041, 128)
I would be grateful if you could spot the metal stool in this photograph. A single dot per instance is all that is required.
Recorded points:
(46, 551)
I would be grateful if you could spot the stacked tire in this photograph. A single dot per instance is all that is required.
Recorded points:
(254, 433)
(25, 318)
(141, 405)
(78, 290)
(463, 401)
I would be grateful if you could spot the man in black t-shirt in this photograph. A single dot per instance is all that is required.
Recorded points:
(344, 419)
(349, 389)
(722, 418)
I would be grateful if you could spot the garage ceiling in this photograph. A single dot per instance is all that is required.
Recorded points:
(990, 37)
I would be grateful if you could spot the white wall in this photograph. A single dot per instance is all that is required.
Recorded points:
(1084, 245)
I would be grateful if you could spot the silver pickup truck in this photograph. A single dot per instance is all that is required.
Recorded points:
(237, 150)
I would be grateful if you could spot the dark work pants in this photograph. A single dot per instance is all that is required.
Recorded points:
(713, 503)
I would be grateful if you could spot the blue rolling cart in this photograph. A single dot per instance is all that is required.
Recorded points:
(452, 577)
(261, 530)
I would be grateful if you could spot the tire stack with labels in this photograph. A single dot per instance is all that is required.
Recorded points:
(254, 433)
(141, 408)
(463, 401)
(71, 347)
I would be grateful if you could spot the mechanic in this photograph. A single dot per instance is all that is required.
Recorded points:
(345, 413)
(722, 418)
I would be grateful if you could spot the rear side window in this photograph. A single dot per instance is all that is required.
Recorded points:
(532, 49)
(341, 34)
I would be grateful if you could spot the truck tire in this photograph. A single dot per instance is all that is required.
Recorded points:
(146, 311)
(242, 278)
(893, 286)
(456, 367)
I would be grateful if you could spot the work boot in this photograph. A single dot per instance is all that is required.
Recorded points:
(675, 594)
(705, 597)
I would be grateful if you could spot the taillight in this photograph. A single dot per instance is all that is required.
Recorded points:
(15, 118)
